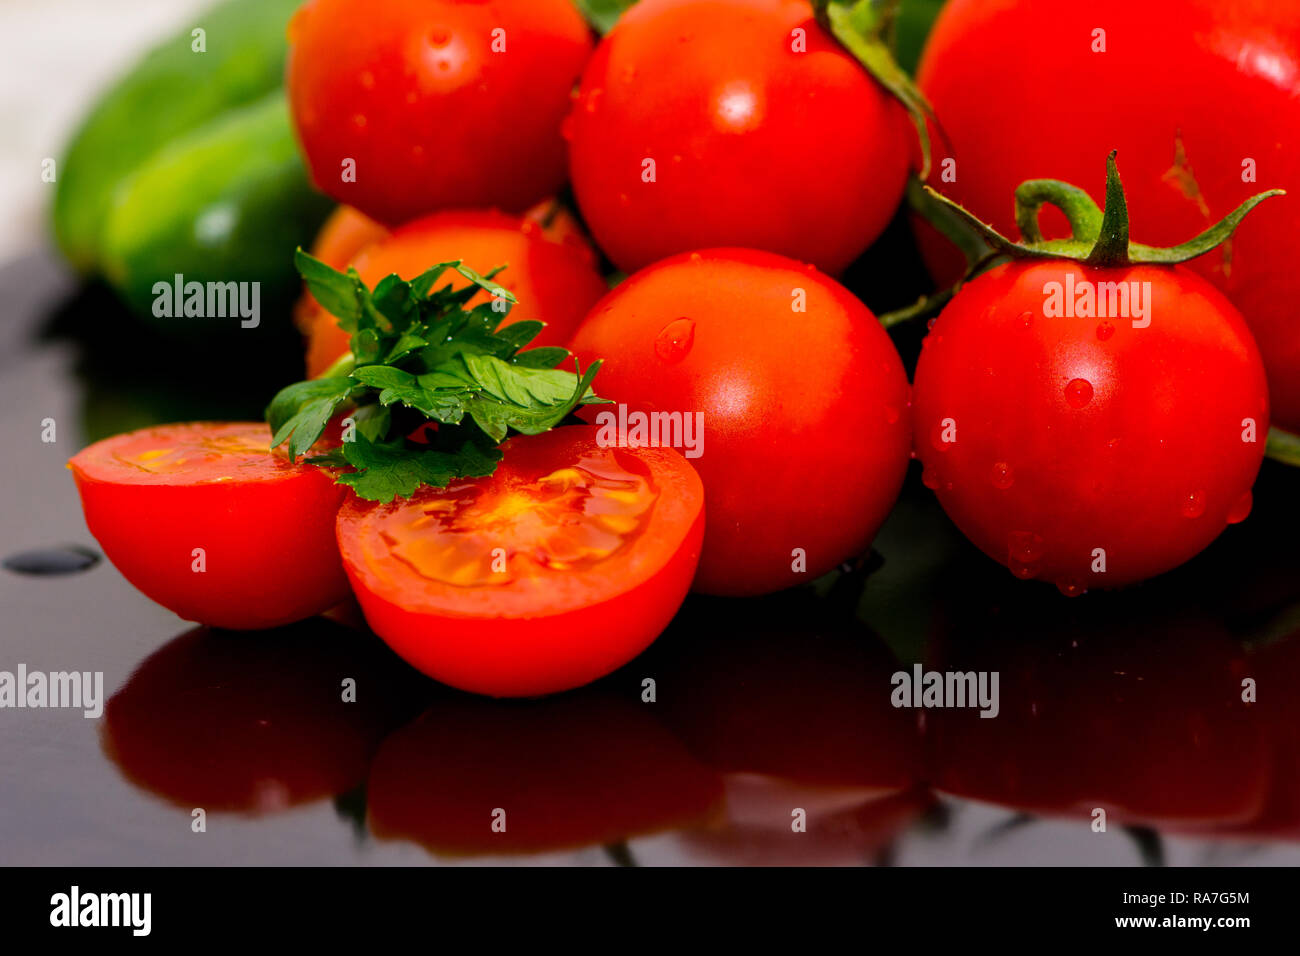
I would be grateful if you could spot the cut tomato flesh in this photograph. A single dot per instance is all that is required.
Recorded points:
(207, 521)
(570, 560)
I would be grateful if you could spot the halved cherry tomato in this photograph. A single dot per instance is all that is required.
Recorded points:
(555, 281)
(559, 568)
(154, 497)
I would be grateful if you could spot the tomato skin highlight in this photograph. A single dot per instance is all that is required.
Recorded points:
(754, 144)
(1046, 438)
(390, 84)
(1221, 79)
(543, 633)
(796, 454)
(267, 535)
(555, 280)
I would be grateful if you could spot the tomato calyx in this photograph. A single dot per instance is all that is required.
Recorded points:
(864, 28)
(1098, 238)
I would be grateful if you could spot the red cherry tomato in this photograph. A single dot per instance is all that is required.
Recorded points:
(561, 567)
(1200, 97)
(556, 282)
(805, 427)
(434, 103)
(756, 139)
(1085, 451)
(154, 496)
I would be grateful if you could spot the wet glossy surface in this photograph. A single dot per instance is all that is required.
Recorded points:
(1130, 702)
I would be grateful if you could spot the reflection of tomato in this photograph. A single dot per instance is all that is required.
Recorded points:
(436, 103)
(256, 722)
(1276, 670)
(562, 566)
(791, 705)
(265, 526)
(1082, 451)
(1143, 719)
(578, 770)
(791, 461)
(555, 281)
(786, 691)
(757, 139)
(1220, 81)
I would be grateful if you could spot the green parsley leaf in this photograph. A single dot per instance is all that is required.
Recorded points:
(420, 355)
(392, 469)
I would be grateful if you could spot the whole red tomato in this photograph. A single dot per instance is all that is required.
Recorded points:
(1201, 98)
(733, 122)
(801, 396)
(1090, 452)
(434, 103)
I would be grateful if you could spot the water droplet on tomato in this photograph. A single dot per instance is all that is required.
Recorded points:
(1240, 509)
(929, 478)
(359, 120)
(1026, 319)
(366, 79)
(1078, 392)
(1193, 504)
(1003, 476)
(1021, 570)
(891, 414)
(593, 100)
(1025, 547)
(1104, 331)
(439, 36)
(1070, 587)
(674, 341)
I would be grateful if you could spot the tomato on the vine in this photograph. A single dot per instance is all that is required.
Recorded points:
(733, 123)
(800, 393)
(1086, 451)
(404, 107)
(1200, 97)
(562, 566)
(206, 520)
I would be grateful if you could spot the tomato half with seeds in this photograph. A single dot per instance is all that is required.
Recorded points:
(559, 568)
(550, 269)
(1090, 451)
(154, 497)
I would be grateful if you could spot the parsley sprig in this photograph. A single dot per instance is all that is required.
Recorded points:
(418, 355)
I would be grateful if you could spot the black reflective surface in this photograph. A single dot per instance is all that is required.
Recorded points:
(1129, 702)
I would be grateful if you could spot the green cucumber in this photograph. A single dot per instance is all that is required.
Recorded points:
(228, 202)
(171, 91)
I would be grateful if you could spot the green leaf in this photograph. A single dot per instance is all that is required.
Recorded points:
(495, 415)
(519, 384)
(602, 14)
(393, 469)
(521, 333)
(547, 356)
(339, 294)
(300, 412)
